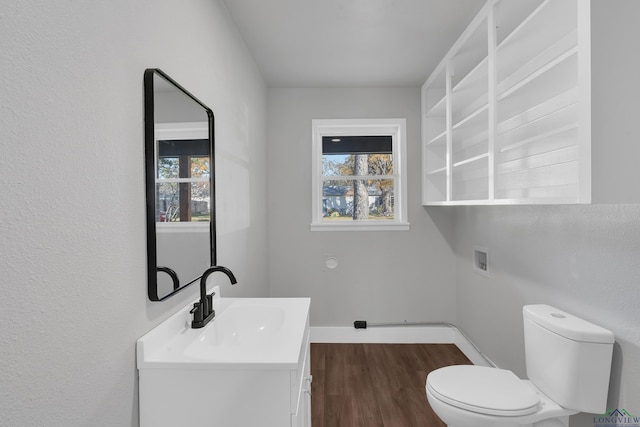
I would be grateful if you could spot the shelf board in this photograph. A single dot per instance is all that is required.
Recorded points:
(549, 107)
(538, 160)
(507, 63)
(460, 145)
(477, 73)
(538, 137)
(540, 71)
(471, 93)
(438, 139)
(438, 171)
(471, 116)
(504, 201)
(438, 109)
(469, 199)
(438, 202)
(544, 176)
(549, 16)
(471, 160)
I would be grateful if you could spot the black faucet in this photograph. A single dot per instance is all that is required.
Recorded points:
(203, 310)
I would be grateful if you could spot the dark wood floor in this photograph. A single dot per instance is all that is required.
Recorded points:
(376, 385)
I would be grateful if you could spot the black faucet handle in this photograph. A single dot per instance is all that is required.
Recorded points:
(210, 304)
(198, 314)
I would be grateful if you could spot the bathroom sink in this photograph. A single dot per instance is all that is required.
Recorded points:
(245, 332)
(254, 327)
(248, 325)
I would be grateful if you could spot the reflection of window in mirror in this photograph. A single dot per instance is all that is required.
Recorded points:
(183, 173)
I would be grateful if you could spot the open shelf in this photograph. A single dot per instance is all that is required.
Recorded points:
(510, 14)
(539, 111)
(472, 117)
(511, 71)
(473, 51)
(438, 139)
(470, 178)
(439, 109)
(549, 22)
(472, 131)
(554, 138)
(434, 96)
(549, 158)
(558, 120)
(435, 187)
(508, 115)
(539, 182)
(565, 63)
(470, 94)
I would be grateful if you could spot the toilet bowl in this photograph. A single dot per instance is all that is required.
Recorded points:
(568, 363)
(478, 396)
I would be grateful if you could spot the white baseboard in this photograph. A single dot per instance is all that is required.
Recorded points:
(400, 335)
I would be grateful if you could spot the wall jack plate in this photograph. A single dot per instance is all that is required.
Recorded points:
(481, 261)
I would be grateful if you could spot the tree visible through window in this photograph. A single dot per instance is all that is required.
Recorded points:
(357, 177)
(183, 181)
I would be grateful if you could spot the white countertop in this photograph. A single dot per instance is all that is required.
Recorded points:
(247, 333)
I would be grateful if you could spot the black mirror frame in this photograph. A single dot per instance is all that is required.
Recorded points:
(149, 131)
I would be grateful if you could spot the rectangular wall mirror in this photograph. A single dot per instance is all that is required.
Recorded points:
(180, 191)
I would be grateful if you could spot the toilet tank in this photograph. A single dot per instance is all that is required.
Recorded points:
(568, 358)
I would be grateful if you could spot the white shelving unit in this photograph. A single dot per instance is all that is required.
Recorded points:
(510, 113)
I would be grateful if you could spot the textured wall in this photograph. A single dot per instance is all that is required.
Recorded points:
(382, 275)
(72, 217)
(582, 259)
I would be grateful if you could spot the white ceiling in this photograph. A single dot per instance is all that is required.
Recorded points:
(350, 43)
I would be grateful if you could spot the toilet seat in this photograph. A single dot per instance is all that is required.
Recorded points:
(484, 390)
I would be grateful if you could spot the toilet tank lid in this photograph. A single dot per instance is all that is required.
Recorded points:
(567, 325)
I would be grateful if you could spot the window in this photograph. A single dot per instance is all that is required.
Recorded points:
(359, 176)
(183, 157)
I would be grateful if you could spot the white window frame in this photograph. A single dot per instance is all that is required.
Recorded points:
(360, 127)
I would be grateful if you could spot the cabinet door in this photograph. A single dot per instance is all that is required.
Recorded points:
(302, 417)
(306, 395)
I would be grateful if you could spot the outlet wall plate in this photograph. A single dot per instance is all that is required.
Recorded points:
(481, 261)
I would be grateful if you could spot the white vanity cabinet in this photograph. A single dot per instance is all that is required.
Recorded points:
(536, 103)
(255, 386)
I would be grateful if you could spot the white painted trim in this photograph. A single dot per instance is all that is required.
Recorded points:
(183, 227)
(436, 334)
(185, 130)
(361, 226)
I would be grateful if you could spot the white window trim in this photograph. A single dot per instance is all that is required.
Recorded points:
(397, 128)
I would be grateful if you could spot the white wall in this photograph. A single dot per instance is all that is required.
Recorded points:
(73, 213)
(382, 276)
(582, 259)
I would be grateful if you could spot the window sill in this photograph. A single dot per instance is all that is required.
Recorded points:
(361, 226)
(183, 227)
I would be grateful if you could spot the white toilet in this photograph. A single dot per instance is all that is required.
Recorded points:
(568, 363)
